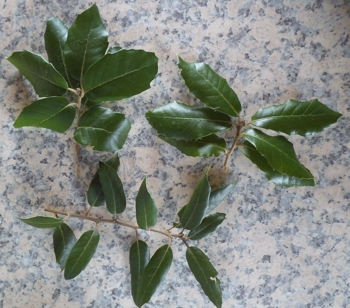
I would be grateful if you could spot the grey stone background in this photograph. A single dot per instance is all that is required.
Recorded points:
(278, 247)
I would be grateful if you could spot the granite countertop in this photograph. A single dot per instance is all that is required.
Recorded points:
(278, 247)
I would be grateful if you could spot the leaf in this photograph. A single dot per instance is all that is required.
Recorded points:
(41, 74)
(55, 38)
(95, 195)
(89, 104)
(211, 145)
(195, 210)
(218, 195)
(294, 117)
(177, 120)
(81, 254)
(209, 87)
(63, 242)
(207, 226)
(112, 189)
(205, 274)
(114, 49)
(279, 153)
(273, 175)
(146, 210)
(103, 129)
(52, 112)
(153, 274)
(120, 75)
(42, 222)
(138, 258)
(87, 42)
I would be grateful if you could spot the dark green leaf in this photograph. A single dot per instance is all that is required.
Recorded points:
(52, 112)
(115, 49)
(146, 210)
(55, 38)
(81, 254)
(42, 222)
(153, 274)
(218, 195)
(90, 104)
(46, 80)
(205, 274)
(103, 129)
(209, 87)
(295, 117)
(63, 242)
(279, 179)
(208, 225)
(112, 189)
(177, 120)
(95, 195)
(279, 153)
(87, 42)
(195, 210)
(211, 145)
(138, 258)
(120, 75)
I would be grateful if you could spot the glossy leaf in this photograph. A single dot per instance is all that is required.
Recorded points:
(279, 153)
(55, 38)
(95, 195)
(209, 87)
(120, 75)
(112, 188)
(46, 80)
(177, 120)
(211, 145)
(205, 273)
(294, 117)
(89, 104)
(146, 210)
(114, 49)
(87, 42)
(138, 258)
(218, 195)
(153, 274)
(81, 254)
(63, 242)
(52, 112)
(195, 210)
(42, 222)
(279, 179)
(207, 226)
(103, 129)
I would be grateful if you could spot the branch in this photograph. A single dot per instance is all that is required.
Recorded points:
(239, 127)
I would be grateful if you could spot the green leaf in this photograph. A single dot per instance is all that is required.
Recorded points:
(195, 210)
(112, 189)
(114, 49)
(90, 104)
(153, 274)
(138, 258)
(87, 42)
(211, 145)
(209, 87)
(177, 120)
(46, 80)
(218, 195)
(279, 153)
(52, 112)
(42, 222)
(294, 117)
(55, 38)
(103, 129)
(81, 254)
(205, 273)
(279, 179)
(120, 75)
(146, 210)
(95, 195)
(63, 242)
(208, 225)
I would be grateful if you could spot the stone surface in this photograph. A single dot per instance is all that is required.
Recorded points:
(278, 247)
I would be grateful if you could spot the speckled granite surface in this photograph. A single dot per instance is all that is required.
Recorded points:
(278, 247)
